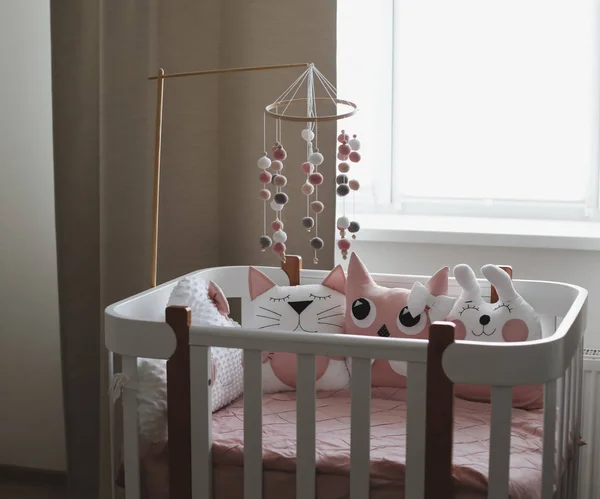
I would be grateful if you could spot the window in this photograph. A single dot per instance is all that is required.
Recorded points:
(474, 107)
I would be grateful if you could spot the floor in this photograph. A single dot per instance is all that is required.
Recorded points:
(19, 489)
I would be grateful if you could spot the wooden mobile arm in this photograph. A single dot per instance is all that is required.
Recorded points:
(295, 263)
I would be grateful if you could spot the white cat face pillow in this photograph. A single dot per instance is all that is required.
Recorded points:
(309, 308)
(510, 319)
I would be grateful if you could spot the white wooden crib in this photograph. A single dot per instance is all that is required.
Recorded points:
(137, 327)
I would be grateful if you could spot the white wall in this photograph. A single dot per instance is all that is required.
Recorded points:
(31, 411)
(576, 267)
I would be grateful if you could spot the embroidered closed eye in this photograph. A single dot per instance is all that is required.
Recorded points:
(285, 298)
(319, 297)
(468, 307)
(504, 305)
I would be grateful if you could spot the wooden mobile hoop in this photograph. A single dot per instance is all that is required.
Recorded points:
(291, 264)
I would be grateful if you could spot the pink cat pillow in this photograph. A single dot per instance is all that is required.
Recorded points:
(373, 310)
(308, 308)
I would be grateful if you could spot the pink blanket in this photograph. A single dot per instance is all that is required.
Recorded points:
(388, 438)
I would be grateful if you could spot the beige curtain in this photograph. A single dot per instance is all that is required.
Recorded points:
(103, 122)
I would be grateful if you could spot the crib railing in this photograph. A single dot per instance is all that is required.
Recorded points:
(429, 412)
(429, 407)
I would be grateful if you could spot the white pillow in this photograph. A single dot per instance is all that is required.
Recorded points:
(308, 308)
(209, 308)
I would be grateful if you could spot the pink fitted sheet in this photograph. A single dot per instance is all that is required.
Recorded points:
(388, 439)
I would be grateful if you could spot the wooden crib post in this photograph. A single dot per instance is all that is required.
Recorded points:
(439, 415)
(178, 405)
(494, 294)
(292, 267)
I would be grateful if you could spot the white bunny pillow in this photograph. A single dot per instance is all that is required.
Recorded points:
(510, 319)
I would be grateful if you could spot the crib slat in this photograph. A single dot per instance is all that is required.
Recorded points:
(578, 415)
(305, 427)
(571, 432)
(131, 454)
(564, 484)
(415, 430)
(561, 425)
(549, 438)
(500, 433)
(252, 424)
(360, 429)
(201, 428)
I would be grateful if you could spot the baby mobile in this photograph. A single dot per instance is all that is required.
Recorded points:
(272, 163)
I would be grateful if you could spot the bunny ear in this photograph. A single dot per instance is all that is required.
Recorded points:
(438, 283)
(358, 273)
(467, 280)
(501, 281)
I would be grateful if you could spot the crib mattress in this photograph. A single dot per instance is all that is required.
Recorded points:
(388, 439)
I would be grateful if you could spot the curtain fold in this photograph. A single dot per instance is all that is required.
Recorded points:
(210, 215)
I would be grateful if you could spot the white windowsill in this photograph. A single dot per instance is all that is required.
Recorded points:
(548, 234)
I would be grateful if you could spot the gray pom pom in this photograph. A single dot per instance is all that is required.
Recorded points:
(308, 222)
(265, 242)
(343, 190)
(281, 198)
(341, 179)
(317, 243)
(354, 227)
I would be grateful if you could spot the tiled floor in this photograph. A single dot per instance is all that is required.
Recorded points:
(16, 489)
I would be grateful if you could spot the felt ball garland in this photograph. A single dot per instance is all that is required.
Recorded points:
(347, 151)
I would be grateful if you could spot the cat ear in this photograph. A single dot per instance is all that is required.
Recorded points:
(218, 297)
(336, 280)
(357, 272)
(438, 283)
(258, 283)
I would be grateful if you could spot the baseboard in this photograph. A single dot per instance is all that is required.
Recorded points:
(35, 475)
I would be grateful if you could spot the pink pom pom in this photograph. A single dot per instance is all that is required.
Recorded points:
(354, 184)
(344, 167)
(343, 137)
(342, 157)
(315, 179)
(307, 189)
(317, 207)
(275, 147)
(279, 248)
(344, 244)
(345, 149)
(265, 194)
(354, 157)
(279, 154)
(277, 165)
(264, 177)
(277, 225)
(308, 168)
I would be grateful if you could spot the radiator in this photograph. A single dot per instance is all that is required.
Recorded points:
(589, 478)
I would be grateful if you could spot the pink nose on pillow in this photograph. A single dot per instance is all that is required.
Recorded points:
(284, 366)
(515, 330)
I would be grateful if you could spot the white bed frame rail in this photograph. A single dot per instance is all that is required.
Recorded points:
(136, 328)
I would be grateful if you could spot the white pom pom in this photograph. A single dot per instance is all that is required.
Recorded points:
(343, 223)
(316, 158)
(280, 237)
(354, 144)
(276, 207)
(264, 162)
(308, 134)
